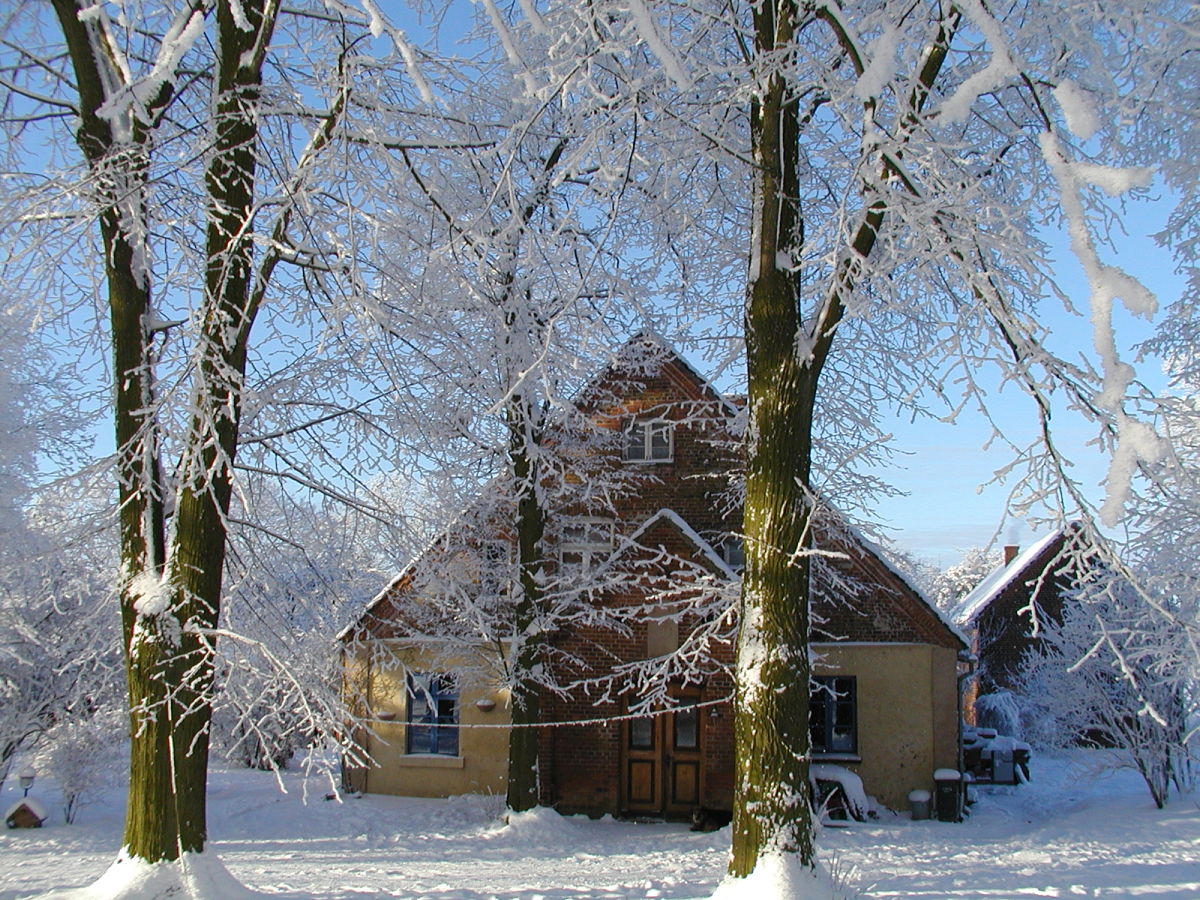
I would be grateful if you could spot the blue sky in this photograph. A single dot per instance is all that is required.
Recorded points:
(943, 513)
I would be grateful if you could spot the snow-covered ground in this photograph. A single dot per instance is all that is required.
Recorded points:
(1068, 834)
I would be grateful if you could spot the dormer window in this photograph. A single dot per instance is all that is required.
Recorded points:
(649, 442)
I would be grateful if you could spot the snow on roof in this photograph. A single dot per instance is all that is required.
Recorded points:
(988, 589)
(646, 335)
(411, 565)
(670, 354)
(882, 555)
(33, 805)
(688, 532)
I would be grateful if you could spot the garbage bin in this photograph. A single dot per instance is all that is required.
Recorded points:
(918, 802)
(1002, 764)
(948, 795)
(1021, 761)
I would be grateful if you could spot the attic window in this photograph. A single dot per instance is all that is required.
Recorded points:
(649, 442)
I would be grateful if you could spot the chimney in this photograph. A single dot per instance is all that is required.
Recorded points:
(1010, 553)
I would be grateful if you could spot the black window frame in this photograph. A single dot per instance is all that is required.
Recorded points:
(824, 731)
(432, 723)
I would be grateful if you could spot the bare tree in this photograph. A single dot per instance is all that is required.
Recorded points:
(948, 587)
(514, 222)
(1115, 675)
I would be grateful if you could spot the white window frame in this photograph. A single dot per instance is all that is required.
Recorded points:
(647, 429)
(593, 542)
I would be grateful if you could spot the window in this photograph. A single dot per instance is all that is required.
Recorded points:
(432, 714)
(585, 542)
(733, 551)
(649, 442)
(641, 734)
(832, 714)
(687, 727)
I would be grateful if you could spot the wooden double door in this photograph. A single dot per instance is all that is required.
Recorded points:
(662, 762)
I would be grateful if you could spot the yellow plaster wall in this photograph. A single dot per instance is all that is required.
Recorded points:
(907, 714)
(907, 724)
(482, 762)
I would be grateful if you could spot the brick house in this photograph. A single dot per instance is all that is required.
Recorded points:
(1006, 613)
(642, 723)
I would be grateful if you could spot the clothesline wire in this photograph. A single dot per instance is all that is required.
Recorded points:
(600, 720)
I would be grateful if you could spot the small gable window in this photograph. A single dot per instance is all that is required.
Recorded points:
(432, 714)
(649, 442)
(833, 714)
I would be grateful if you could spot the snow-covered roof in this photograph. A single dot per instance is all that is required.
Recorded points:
(669, 354)
(32, 804)
(706, 549)
(882, 555)
(411, 566)
(646, 335)
(992, 586)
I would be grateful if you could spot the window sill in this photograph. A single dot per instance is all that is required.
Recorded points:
(430, 761)
(646, 462)
(837, 757)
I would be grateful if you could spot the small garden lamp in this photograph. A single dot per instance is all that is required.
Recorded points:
(26, 779)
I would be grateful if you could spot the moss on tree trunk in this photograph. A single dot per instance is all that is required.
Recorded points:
(530, 526)
(168, 650)
(771, 807)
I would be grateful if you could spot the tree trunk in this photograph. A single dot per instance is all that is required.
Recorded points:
(785, 357)
(530, 525)
(196, 557)
(119, 163)
(168, 656)
(771, 810)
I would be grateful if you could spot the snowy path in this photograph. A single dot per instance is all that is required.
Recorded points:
(1065, 835)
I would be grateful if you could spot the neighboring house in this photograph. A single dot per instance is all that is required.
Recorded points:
(663, 565)
(1006, 615)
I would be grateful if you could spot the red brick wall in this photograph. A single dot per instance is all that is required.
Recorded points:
(1004, 630)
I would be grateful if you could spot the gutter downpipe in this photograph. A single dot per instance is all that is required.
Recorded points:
(971, 663)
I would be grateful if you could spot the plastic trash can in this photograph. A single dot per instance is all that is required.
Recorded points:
(1003, 771)
(918, 802)
(948, 794)
(1021, 761)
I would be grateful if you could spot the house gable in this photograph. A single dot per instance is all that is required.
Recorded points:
(861, 598)
(646, 374)
(664, 585)
(1006, 613)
